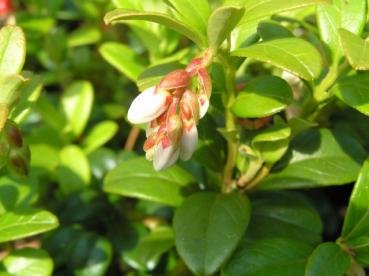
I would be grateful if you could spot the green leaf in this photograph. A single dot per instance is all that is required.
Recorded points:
(356, 49)
(123, 58)
(101, 161)
(272, 142)
(121, 15)
(317, 158)
(77, 104)
(340, 14)
(262, 8)
(29, 92)
(360, 247)
(291, 54)
(262, 97)
(137, 178)
(12, 50)
(328, 259)
(79, 251)
(208, 227)
(285, 215)
(16, 193)
(99, 135)
(74, 170)
(356, 219)
(194, 13)
(221, 23)
(150, 248)
(269, 30)
(274, 256)
(28, 261)
(354, 91)
(22, 223)
(10, 92)
(84, 36)
(152, 75)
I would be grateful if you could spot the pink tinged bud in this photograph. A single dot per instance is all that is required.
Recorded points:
(188, 143)
(190, 110)
(194, 66)
(148, 106)
(164, 157)
(174, 129)
(176, 79)
(205, 89)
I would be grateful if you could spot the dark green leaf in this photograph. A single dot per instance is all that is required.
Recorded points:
(137, 178)
(208, 227)
(121, 15)
(28, 261)
(291, 54)
(356, 220)
(262, 97)
(285, 215)
(221, 23)
(123, 58)
(318, 158)
(12, 50)
(275, 256)
(328, 259)
(270, 29)
(21, 223)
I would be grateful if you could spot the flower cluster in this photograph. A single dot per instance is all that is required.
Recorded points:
(172, 110)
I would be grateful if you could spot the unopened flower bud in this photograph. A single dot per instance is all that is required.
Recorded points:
(19, 159)
(13, 134)
(176, 79)
(148, 106)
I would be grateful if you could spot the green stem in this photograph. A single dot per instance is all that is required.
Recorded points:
(230, 122)
(321, 91)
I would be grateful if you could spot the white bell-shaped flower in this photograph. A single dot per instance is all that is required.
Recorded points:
(148, 106)
(188, 143)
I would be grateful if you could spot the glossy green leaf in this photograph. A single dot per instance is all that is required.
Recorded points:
(152, 75)
(356, 219)
(262, 8)
(148, 251)
(317, 158)
(12, 50)
(354, 91)
(350, 15)
(360, 247)
(274, 256)
(262, 97)
(123, 58)
(16, 193)
(328, 259)
(121, 15)
(28, 261)
(270, 29)
(22, 223)
(10, 88)
(77, 103)
(285, 215)
(137, 178)
(294, 55)
(30, 91)
(194, 13)
(74, 170)
(272, 142)
(221, 23)
(101, 161)
(99, 135)
(356, 49)
(84, 36)
(208, 227)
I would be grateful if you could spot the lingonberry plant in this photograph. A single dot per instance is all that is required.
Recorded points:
(181, 137)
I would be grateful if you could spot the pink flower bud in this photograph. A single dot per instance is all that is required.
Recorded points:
(165, 157)
(176, 79)
(190, 110)
(188, 142)
(148, 106)
(205, 89)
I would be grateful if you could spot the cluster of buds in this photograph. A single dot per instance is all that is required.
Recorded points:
(14, 153)
(172, 110)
